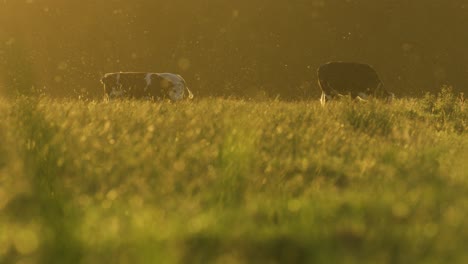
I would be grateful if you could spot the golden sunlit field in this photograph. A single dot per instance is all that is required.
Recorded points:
(233, 181)
(253, 169)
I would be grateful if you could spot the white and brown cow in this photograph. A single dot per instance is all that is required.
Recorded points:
(357, 80)
(145, 85)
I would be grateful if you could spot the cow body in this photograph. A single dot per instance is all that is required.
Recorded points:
(348, 78)
(145, 85)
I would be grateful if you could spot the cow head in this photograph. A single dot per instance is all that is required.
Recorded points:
(383, 93)
(177, 91)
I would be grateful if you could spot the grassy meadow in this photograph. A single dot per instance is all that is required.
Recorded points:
(234, 181)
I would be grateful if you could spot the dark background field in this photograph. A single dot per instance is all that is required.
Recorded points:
(245, 48)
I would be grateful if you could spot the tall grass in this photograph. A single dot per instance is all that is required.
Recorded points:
(232, 181)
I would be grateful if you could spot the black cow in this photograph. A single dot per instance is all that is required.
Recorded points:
(145, 85)
(349, 78)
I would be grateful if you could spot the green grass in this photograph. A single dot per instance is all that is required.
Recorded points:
(232, 181)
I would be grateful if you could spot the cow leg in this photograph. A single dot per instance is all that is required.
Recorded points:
(116, 92)
(363, 97)
(324, 98)
(158, 88)
(106, 94)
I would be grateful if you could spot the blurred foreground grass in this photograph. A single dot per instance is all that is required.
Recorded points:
(231, 181)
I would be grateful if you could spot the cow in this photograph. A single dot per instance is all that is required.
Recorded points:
(357, 80)
(145, 85)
